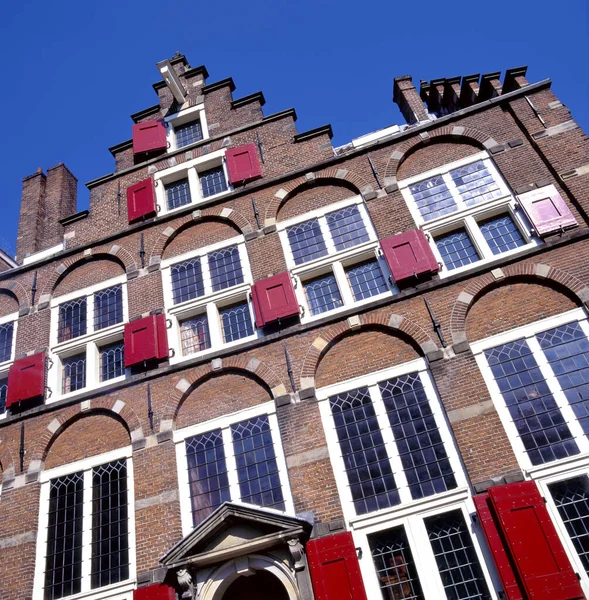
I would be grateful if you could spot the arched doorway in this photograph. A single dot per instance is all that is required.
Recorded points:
(260, 586)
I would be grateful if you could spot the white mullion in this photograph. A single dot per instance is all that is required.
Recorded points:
(87, 531)
(194, 185)
(92, 365)
(206, 275)
(125, 301)
(326, 233)
(453, 189)
(367, 567)
(343, 284)
(281, 463)
(167, 287)
(215, 329)
(41, 548)
(478, 239)
(245, 263)
(90, 313)
(231, 463)
(131, 517)
(390, 444)
(184, 487)
(203, 124)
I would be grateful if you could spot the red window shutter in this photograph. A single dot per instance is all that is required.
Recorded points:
(141, 343)
(26, 379)
(533, 543)
(335, 571)
(502, 559)
(162, 337)
(243, 163)
(141, 200)
(149, 136)
(547, 210)
(409, 254)
(155, 592)
(274, 298)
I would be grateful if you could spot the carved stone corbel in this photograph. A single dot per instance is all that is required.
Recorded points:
(297, 552)
(186, 585)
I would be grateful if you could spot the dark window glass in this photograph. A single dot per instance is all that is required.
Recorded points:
(195, 334)
(323, 294)
(394, 565)
(3, 392)
(367, 464)
(457, 249)
(108, 307)
(72, 320)
(112, 361)
(347, 228)
(417, 436)
(501, 234)
(433, 198)
(63, 562)
(572, 501)
(257, 470)
(236, 322)
(207, 474)
(110, 526)
(456, 558)
(187, 281)
(73, 373)
(366, 280)
(6, 331)
(567, 350)
(475, 183)
(225, 268)
(188, 133)
(213, 182)
(178, 194)
(306, 241)
(539, 422)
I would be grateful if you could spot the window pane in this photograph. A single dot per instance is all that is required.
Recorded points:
(257, 470)
(110, 527)
(456, 558)
(538, 420)
(572, 501)
(207, 474)
(433, 198)
(6, 331)
(369, 472)
(366, 280)
(502, 234)
(63, 562)
(323, 294)
(213, 182)
(236, 322)
(108, 307)
(188, 133)
(112, 361)
(306, 241)
(187, 282)
(347, 228)
(178, 194)
(72, 320)
(417, 436)
(73, 373)
(456, 249)
(3, 392)
(225, 268)
(394, 565)
(475, 183)
(195, 334)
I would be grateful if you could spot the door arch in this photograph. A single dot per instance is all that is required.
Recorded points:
(262, 585)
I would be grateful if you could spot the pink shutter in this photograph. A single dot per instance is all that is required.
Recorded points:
(274, 298)
(157, 591)
(26, 379)
(149, 136)
(408, 255)
(141, 200)
(547, 210)
(243, 163)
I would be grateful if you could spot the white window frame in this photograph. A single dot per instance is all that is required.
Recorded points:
(406, 504)
(90, 343)
(190, 170)
(122, 590)
(224, 423)
(5, 366)
(194, 113)
(469, 217)
(334, 262)
(210, 302)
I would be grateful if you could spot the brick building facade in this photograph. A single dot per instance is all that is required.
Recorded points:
(263, 367)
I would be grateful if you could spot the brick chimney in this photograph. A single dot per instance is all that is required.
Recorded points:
(45, 200)
(407, 98)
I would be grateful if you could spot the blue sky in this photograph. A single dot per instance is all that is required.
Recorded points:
(74, 71)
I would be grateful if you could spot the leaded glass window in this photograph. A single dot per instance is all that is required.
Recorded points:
(72, 320)
(225, 268)
(236, 322)
(112, 361)
(178, 194)
(457, 249)
(187, 280)
(366, 280)
(188, 133)
(3, 392)
(475, 183)
(306, 241)
(108, 307)
(501, 234)
(6, 334)
(347, 227)
(73, 373)
(433, 198)
(323, 294)
(212, 181)
(195, 334)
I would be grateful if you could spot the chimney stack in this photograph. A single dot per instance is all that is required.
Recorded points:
(45, 200)
(407, 98)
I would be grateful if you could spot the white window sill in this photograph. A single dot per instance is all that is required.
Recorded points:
(104, 593)
(101, 335)
(195, 203)
(311, 318)
(180, 358)
(226, 296)
(55, 397)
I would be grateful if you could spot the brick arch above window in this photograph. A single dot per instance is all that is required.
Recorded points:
(389, 323)
(17, 291)
(538, 273)
(243, 364)
(224, 213)
(356, 182)
(116, 409)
